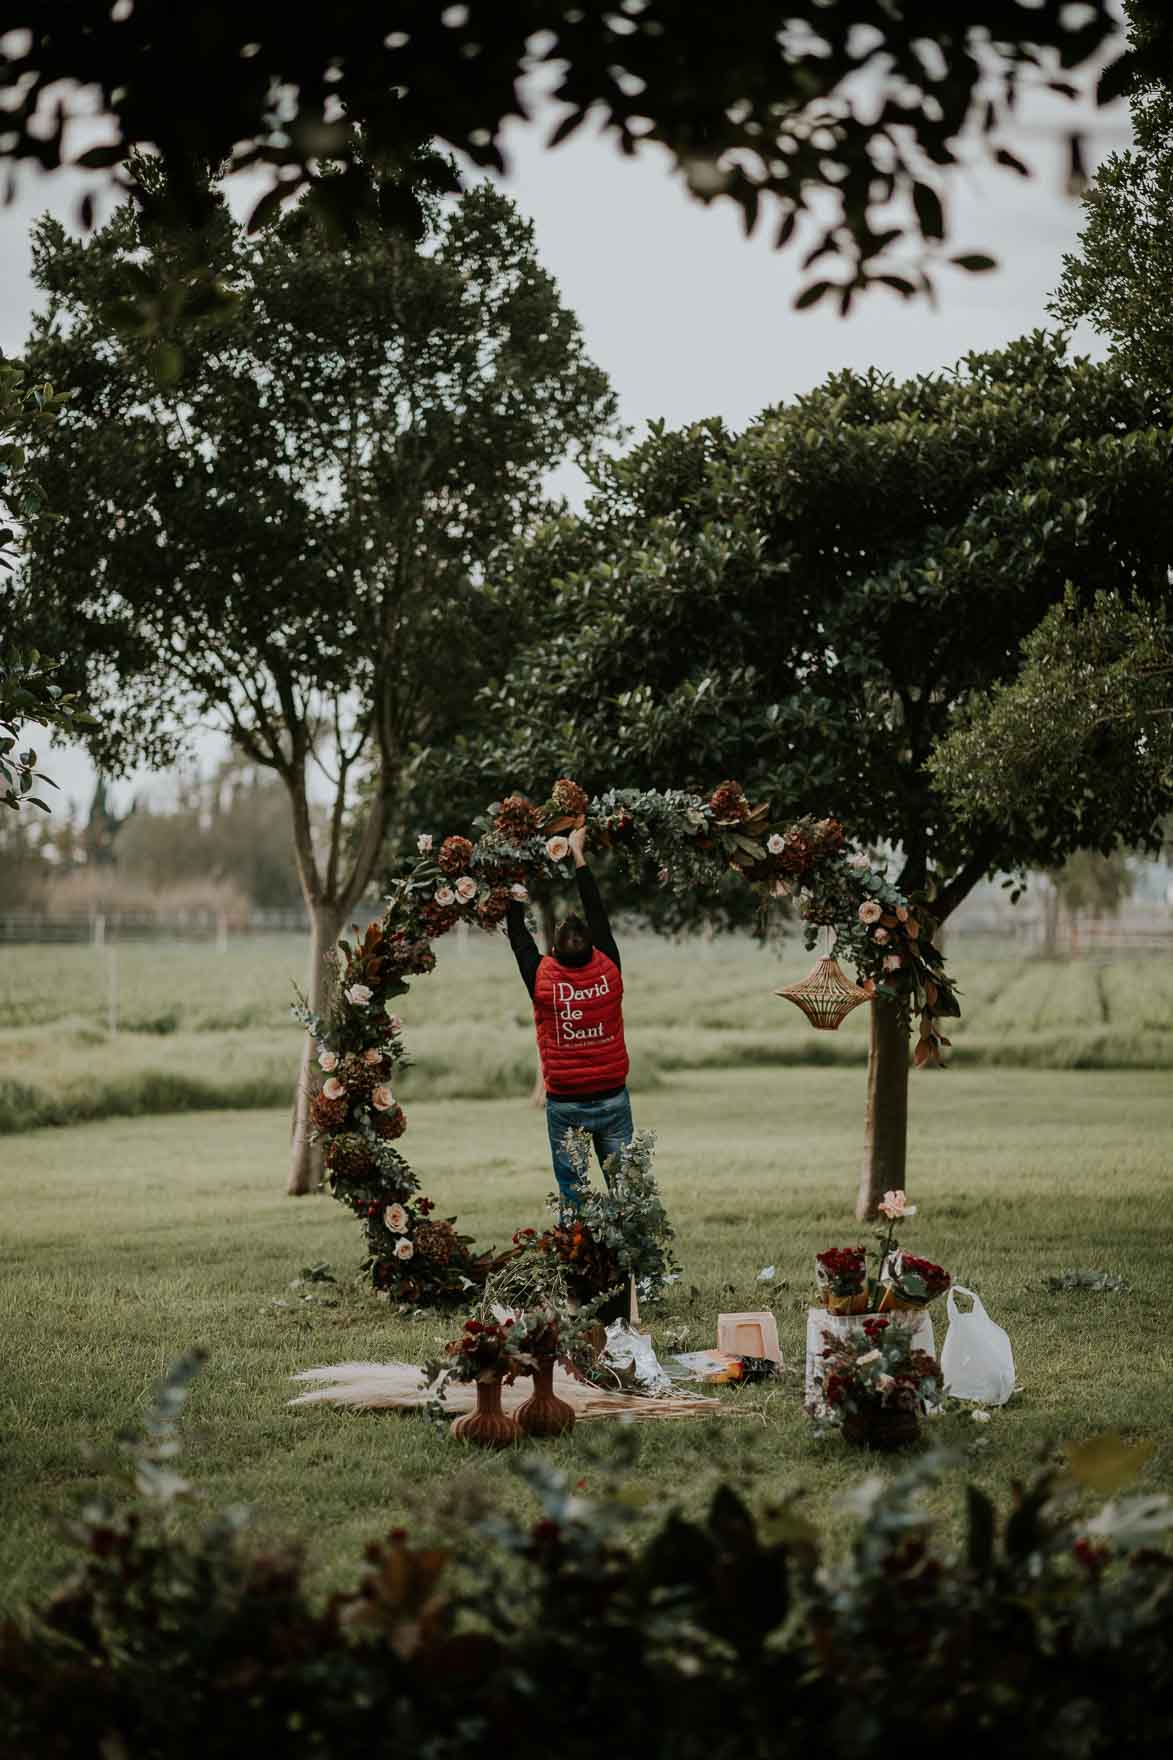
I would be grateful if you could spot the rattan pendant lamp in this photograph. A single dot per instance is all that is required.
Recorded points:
(826, 995)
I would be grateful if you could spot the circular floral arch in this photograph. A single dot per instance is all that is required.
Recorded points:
(417, 1257)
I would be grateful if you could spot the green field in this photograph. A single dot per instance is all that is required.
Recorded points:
(199, 1029)
(132, 1239)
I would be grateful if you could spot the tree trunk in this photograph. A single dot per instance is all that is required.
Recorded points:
(887, 1117)
(1051, 921)
(545, 906)
(305, 1170)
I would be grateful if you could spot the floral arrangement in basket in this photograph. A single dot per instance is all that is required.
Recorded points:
(875, 1369)
(900, 1279)
(613, 1235)
(684, 838)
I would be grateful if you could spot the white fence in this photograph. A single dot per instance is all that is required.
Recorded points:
(99, 928)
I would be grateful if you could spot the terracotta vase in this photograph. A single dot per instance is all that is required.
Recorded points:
(887, 1428)
(543, 1413)
(488, 1426)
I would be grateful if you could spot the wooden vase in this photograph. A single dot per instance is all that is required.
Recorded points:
(488, 1426)
(887, 1428)
(543, 1413)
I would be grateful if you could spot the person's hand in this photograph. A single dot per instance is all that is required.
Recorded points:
(577, 842)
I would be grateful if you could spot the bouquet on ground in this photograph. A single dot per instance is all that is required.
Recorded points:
(611, 1236)
(842, 1277)
(900, 1280)
(909, 1282)
(876, 1369)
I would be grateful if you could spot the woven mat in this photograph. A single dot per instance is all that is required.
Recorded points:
(371, 1385)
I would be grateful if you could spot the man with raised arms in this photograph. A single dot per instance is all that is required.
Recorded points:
(577, 993)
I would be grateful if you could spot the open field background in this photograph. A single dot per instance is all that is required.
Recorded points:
(128, 1240)
(198, 1029)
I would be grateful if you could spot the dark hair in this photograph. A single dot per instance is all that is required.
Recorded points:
(572, 941)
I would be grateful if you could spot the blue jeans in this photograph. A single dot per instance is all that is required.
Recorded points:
(608, 1121)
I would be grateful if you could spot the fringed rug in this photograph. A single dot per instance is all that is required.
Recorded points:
(370, 1385)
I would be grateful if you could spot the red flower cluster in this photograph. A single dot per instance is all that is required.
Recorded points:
(491, 910)
(568, 798)
(844, 1268)
(873, 1326)
(935, 1278)
(591, 1264)
(483, 1349)
(437, 919)
(390, 1125)
(727, 802)
(455, 855)
(518, 819)
(411, 954)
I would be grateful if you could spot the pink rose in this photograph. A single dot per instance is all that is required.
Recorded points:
(445, 896)
(466, 889)
(404, 1250)
(327, 1060)
(557, 849)
(859, 860)
(382, 1099)
(776, 844)
(895, 1206)
(333, 1089)
(869, 911)
(359, 995)
(880, 935)
(893, 963)
(372, 1056)
(519, 892)
(395, 1217)
(395, 1022)
(424, 843)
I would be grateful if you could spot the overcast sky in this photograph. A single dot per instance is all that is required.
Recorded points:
(688, 317)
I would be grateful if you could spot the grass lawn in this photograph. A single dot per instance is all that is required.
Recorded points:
(132, 1239)
(199, 1030)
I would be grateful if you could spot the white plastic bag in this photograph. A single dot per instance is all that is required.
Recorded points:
(976, 1358)
(632, 1352)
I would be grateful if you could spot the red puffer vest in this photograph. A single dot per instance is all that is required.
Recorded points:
(578, 1013)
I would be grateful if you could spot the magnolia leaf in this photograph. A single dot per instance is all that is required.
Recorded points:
(1107, 1462)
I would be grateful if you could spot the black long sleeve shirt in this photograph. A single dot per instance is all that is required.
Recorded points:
(525, 948)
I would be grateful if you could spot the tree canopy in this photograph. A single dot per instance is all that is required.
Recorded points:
(1085, 731)
(810, 606)
(288, 542)
(844, 115)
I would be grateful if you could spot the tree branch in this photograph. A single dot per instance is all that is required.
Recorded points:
(967, 876)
